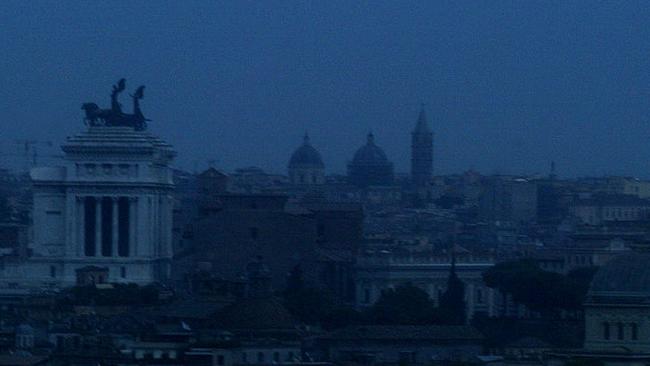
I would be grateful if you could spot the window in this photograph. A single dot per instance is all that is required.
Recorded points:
(244, 358)
(479, 296)
(254, 232)
(220, 360)
(366, 296)
(406, 357)
(123, 272)
(260, 357)
(290, 357)
(606, 330)
(635, 331)
(52, 271)
(621, 331)
(276, 357)
(107, 168)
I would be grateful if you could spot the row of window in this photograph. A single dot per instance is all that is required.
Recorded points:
(261, 358)
(107, 170)
(619, 328)
(618, 213)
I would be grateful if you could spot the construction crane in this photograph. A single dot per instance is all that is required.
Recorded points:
(30, 151)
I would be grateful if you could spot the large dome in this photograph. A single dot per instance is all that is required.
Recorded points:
(370, 154)
(305, 156)
(624, 279)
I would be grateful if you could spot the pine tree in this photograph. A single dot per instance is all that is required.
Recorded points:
(452, 302)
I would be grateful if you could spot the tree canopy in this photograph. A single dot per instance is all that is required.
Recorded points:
(538, 289)
(404, 305)
(452, 302)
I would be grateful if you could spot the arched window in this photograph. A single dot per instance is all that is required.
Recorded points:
(606, 330)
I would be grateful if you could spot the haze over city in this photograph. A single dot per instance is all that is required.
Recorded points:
(508, 86)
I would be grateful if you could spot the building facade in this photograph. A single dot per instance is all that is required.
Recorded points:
(109, 206)
(617, 330)
(378, 271)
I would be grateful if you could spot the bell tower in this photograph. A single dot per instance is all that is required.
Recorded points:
(421, 153)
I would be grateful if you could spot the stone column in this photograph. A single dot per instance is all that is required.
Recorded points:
(98, 226)
(114, 227)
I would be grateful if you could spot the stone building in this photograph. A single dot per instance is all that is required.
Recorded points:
(370, 166)
(109, 206)
(381, 269)
(617, 330)
(507, 198)
(601, 209)
(251, 225)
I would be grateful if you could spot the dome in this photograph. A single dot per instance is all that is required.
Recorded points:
(306, 155)
(370, 154)
(624, 279)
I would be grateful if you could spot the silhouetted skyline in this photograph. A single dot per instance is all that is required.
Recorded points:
(508, 86)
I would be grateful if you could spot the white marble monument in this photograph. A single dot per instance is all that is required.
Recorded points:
(108, 210)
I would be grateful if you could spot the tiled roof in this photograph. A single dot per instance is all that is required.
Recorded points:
(407, 332)
(256, 314)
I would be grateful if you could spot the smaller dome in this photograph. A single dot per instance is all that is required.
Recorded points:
(624, 279)
(306, 155)
(370, 154)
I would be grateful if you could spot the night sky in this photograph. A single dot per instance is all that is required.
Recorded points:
(509, 86)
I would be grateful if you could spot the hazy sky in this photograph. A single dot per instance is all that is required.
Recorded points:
(508, 85)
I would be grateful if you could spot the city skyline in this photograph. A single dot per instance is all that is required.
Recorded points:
(508, 87)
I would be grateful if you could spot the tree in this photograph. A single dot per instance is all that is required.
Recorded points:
(403, 305)
(452, 302)
(540, 290)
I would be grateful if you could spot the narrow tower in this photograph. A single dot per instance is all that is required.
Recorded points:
(421, 153)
